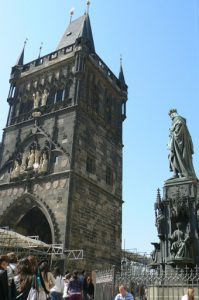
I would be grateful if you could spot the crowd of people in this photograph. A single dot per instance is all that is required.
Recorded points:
(28, 279)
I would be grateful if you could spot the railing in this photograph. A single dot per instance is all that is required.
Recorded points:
(46, 109)
(51, 56)
(147, 284)
(99, 62)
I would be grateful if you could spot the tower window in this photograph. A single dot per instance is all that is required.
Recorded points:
(59, 96)
(90, 164)
(109, 176)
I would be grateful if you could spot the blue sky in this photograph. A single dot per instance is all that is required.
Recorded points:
(159, 42)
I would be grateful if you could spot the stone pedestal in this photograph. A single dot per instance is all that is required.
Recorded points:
(177, 215)
(171, 292)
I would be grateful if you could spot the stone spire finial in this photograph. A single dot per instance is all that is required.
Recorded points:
(72, 11)
(88, 3)
(120, 60)
(40, 48)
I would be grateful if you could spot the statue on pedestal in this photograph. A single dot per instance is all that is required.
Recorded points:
(181, 147)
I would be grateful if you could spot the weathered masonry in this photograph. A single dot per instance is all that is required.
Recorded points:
(61, 151)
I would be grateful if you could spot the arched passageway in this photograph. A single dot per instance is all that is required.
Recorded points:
(34, 223)
(29, 217)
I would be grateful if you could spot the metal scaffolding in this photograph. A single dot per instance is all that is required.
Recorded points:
(11, 241)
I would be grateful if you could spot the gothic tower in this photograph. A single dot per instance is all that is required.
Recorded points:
(61, 151)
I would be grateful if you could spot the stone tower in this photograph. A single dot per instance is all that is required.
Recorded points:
(61, 151)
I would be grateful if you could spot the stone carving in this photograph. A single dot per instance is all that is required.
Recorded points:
(31, 159)
(43, 163)
(179, 209)
(23, 163)
(44, 97)
(36, 99)
(32, 162)
(181, 147)
(160, 222)
(37, 156)
(179, 243)
(155, 253)
(16, 170)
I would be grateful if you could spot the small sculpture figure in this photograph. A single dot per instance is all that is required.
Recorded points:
(37, 156)
(37, 160)
(160, 222)
(36, 99)
(43, 163)
(16, 170)
(23, 163)
(179, 243)
(44, 97)
(181, 147)
(31, 159)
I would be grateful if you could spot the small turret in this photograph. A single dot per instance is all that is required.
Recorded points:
(121, 76)
(19, 63)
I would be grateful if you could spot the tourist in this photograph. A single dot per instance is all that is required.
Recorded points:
(47, 276)
(57, 291)
(90, 288)
(39, 284)
(189, 295)
(4, 292)
(75, 287)
(66, 283)
(123, 294)
(23, 279)
(12, 258)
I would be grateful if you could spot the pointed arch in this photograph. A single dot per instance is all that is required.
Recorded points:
(27, 214)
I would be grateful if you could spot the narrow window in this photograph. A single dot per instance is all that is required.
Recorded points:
(90, 164)
(109, 176)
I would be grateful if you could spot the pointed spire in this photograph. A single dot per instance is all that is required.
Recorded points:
(158, 198)
(86, 33)
(121, 73)
(79, 29)
(21, 56)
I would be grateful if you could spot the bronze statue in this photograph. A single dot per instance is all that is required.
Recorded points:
(181, 147)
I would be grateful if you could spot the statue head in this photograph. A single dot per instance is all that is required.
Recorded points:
(173, 113)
